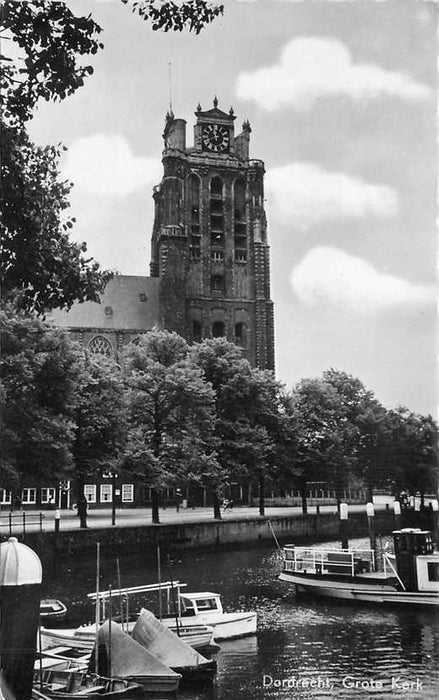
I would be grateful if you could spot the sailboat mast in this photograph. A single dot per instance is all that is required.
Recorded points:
(97, 608)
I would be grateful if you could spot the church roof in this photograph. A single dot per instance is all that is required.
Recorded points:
(128, 302)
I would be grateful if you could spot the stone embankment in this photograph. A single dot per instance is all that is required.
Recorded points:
(211, 534)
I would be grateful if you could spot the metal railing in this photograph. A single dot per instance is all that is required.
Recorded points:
(16, 523)
(321, 560)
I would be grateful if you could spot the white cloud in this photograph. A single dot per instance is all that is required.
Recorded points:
(329, 276)
(303, 194)
(314, 67)
(105, 165)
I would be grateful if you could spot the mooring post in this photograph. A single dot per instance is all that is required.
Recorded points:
(20, 596)
(370, 510)
(435, 509)
(57, 521)
(344, 526)
(397, 514)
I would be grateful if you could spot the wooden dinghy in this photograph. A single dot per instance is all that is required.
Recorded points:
(120, 656)
(171, 650)
(57, 684)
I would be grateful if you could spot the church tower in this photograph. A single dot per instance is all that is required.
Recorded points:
(209, 242)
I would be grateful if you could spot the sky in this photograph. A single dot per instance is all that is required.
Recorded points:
(341, 97)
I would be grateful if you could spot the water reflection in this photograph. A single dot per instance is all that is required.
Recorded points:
(331, 646)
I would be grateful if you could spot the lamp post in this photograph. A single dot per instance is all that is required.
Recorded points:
(20, 597)
(113, 503)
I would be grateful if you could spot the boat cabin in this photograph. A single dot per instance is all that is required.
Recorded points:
(416, 560)
(200, 603)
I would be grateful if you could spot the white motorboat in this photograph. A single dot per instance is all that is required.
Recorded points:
(191, 610)
(410, 577)
(206, 608)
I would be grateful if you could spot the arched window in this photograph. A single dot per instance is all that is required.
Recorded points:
(218, 329)
(99, 345)
(193, 187)
(196, 331)
(239, 200)
(217, 283)
(216, 212)
(239, 223)
(241, 334)
(216, 187)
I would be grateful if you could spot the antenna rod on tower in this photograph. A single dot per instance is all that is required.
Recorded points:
(170, 85)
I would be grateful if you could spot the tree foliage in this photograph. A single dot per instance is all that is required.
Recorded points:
(170, 412)
(48, 38)
(100, 422)
(412, 455)
(176, 15)
(246, 415)
(41, 268)
(38, 381)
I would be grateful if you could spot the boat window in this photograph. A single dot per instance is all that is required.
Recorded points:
(207, 604)
(433, 571)
(186, 604)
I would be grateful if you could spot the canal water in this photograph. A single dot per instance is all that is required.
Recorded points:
(304, 648)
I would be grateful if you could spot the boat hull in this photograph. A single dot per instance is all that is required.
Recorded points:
(357, 591)
(225, 625)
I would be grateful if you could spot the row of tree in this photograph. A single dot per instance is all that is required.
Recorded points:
(169, 414)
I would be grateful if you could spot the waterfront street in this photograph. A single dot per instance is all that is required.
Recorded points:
(100, 518)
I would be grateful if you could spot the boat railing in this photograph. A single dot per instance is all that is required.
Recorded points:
(169, 587)
(320, 560)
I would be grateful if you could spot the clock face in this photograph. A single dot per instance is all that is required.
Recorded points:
(215, 138)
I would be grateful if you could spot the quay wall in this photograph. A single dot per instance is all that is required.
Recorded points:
(230, 533)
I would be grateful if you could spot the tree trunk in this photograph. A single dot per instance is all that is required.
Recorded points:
(369, 493)
(155, 506)
(303, 494)
(261, 495)
(81, 502)
(216, 506)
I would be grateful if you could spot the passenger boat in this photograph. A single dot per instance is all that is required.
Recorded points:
(52, 610)
(57, 684)
(410, 576)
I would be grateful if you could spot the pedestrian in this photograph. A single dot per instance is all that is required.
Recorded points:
(178, 499)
